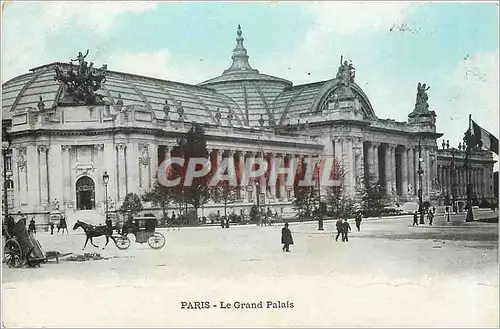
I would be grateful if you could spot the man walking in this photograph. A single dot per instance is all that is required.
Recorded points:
(338, 225)
(345, 230)
(286, 238)
(358, 220)
(415, 219)
(430, 217)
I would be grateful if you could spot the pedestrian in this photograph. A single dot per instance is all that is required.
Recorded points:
(52, 228)
(286, 238)
(338, 225)
(345, 230)
(32, 227)
(415, 219)
(430, 217)
(433, 210)
(358, 220)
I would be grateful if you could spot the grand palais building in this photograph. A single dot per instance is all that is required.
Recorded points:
(63, 136)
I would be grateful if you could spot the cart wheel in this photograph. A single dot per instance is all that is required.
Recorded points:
(122, 242)
(156, 241)
(12, 253)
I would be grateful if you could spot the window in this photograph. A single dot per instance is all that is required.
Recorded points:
(9, 184)
(250, 196)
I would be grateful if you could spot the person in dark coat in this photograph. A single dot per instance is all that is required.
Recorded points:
(345, 230)
(358, 221)
(32, 227)
(430, 217)
(286, 238)
(52, 228)
(415, 219)
(338, 225)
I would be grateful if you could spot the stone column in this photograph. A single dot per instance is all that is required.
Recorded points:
(485, 182)
(351, 169)
(393, 169)
(121, 171)
(375, 161)
(272, 186)
(411, 170)
(242, 178)
(388, 170)
(404, 173)
(44, 175)
(153, 163)
(282, 178)
(338, 151)
(427, 171)
(370, 162)
(66, 172)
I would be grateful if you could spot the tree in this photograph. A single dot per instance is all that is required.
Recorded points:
(193, 145)
(372, 196)
(305, 201)
(305, 197)
(226, 193)
(131, 203)
(159, 196)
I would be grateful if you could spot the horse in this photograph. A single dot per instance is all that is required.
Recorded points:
(62, 226)
(94, 231)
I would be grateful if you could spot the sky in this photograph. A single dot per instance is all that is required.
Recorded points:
(452, 47)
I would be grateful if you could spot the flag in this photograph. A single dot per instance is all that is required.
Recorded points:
(484, 139)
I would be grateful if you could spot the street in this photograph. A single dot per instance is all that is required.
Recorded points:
(389, 274)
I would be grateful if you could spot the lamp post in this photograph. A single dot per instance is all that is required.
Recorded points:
(257, 187)
(453, 196)
(105, 179)
(470, 216)
(420, 172)
(320, 219)
(6, 140)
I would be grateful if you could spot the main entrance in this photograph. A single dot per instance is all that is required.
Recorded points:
(85, 193)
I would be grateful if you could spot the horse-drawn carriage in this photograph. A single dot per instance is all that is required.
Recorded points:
(143, 228)
(21, 248)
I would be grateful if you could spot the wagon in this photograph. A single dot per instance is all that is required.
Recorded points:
(21, 248)
(143, 228)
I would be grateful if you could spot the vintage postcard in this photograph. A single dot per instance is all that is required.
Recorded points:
(250, 164)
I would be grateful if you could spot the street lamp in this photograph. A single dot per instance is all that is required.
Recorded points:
(320, 219)
(470, 215)
(453, 196)
(257, 187)
(105, 179)
(6, 141)
(420, 172)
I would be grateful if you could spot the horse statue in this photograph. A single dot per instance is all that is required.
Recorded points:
(92, 231)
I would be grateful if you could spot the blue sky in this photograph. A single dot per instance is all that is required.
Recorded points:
(453, 47)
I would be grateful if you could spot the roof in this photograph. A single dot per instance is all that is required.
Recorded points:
(199, 103)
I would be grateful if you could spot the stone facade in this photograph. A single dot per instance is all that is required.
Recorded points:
(61, 151)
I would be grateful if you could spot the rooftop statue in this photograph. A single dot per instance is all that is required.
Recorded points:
(346, 72)
(81, 81)
(421, 104)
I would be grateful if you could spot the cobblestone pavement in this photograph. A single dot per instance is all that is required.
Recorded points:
(388, 274)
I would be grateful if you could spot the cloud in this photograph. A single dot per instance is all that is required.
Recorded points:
(97, 16)
(475, 90)
(349, 17)
(159, 64)
(24, 44)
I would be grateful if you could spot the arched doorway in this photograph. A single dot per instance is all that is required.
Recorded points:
(85, 193)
